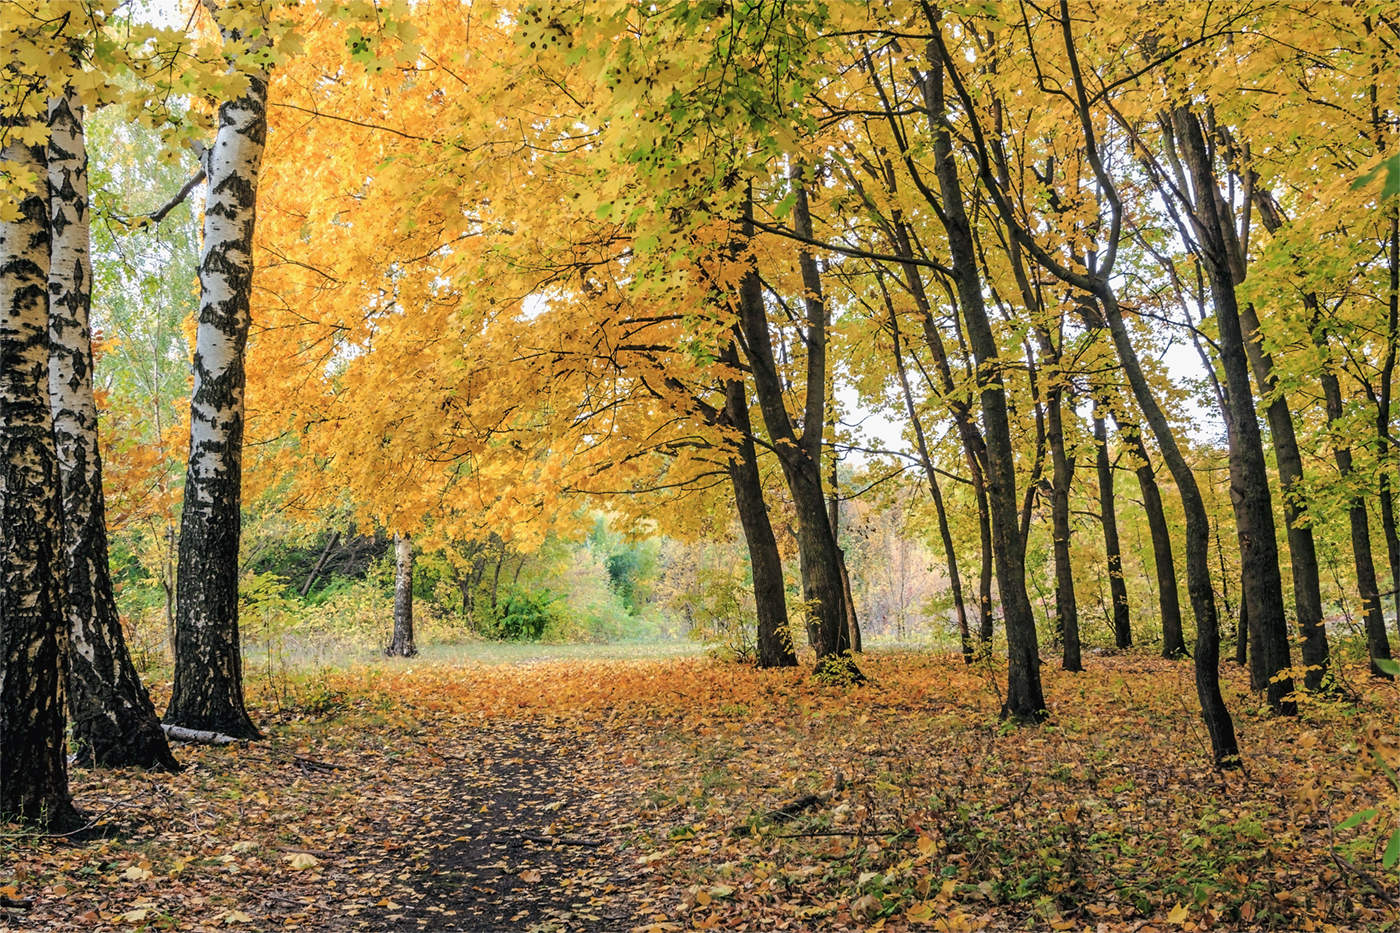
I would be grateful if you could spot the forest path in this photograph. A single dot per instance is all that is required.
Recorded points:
(511, 826)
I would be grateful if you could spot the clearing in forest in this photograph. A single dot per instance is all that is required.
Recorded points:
(684, 793)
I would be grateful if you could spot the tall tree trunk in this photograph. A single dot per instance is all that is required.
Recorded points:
(1249, 477)
(1062, 474)
(775, 647)
(1164, 562)
(401, 644)
(833, 506)
(1302, 550)
(1024, 699)
(208, 690)
(945, 533)
(1387, 378)
(114, 722)
(1372, 616)
(1108, 516)
(34, 635)
(1219, 725)
(820, 564)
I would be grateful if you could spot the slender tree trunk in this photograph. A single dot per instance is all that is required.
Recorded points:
(775, 647)
(820, 565)
(1387, 378)
(114, 721)
(1372, 617)
(34, 634)
(945, 533)
(208, 690)
(1062, 474)
(320, 564)
(1024, 699)
(1219, 725)
(1168, 600)
(1302, 550)
(1122, 627)
(1249, 477)
(401, 644)
(833, 515)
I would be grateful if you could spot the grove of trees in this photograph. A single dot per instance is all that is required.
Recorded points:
(1100, 303)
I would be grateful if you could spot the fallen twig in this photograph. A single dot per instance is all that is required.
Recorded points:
(565, 841)
(198, 736)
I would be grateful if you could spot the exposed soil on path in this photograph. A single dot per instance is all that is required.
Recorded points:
(515, 828)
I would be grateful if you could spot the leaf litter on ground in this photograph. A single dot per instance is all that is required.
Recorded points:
(641, 795)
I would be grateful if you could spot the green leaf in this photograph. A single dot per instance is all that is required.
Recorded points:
(1392, 177)
(1356, 819)
(1392, 849)
(1387, 666)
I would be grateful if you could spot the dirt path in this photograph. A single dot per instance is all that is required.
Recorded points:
(510, 832)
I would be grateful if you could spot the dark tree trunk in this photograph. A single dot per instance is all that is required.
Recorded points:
(1249, 477)
(799, 457)
(1372, 616)
(935, 493)
(1302, 550)
(775, 647)
(973, 444)
(208, 690)
(1024, 699)
(1062, 474)
(986, 621)
(1108, 515)
(114, 722)
(1219, 725)
(320, 564)
(34, 634)
(401, 644)
(833, 515)
(1168, 600)
(1387, 377)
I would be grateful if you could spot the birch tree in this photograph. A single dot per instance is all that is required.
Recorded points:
(33, 629)
(114, 721)
(208, 691)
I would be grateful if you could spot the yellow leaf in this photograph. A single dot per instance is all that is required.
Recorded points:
(237, 916)
(1178, 914)
(302, 860)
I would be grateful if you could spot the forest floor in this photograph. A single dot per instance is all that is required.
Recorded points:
(640, 794)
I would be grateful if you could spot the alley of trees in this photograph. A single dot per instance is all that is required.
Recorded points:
(1099, 303)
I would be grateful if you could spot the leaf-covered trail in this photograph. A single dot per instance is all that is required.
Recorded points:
(516, 827)
(631, 796)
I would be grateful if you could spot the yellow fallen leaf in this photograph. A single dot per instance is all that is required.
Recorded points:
(237, 916)
(922, 912)
(134, 916)
(530, 875)
(136, 873)
(302, 860)
(1178, 914)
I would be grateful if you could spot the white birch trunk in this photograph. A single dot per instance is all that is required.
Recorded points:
(114, 722)
(208, 690)
(33, 630)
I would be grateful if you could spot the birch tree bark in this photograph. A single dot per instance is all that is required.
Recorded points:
(401, 644)
(208, 691)
(114, 721)
(33, 629)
